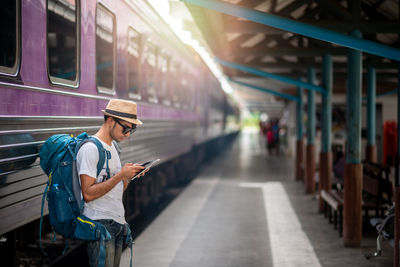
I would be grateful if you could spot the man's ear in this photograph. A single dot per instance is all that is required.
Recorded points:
(109, 121)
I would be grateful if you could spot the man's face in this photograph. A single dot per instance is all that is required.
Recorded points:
(121, 129)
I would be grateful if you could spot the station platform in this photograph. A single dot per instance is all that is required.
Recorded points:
(246, 209)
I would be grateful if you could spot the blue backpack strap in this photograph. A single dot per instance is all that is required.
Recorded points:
(41, 219)
(104, 236)
(102, 251)
(76, 187)
(128, 239)
(131, 255)
(102, 154)
(117, 147)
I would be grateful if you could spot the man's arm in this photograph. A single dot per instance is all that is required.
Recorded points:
(92, 191)
(127, 181)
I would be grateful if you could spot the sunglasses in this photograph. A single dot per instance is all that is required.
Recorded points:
(126, 129)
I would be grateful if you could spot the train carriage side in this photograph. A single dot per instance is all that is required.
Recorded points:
(65, 60)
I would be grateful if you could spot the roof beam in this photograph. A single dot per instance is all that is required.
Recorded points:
(304, 66)
(233, 25)
(300, 28)
(266, 90)
(271, 75)
(250, 3)
(287, 10)
(288, 51)
(303, 73)
(334, 7)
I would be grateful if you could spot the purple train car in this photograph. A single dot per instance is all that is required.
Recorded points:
(60, 63)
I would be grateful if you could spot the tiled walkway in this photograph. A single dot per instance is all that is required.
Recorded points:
(245, 209)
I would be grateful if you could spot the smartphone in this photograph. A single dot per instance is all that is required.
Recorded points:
(147, 165)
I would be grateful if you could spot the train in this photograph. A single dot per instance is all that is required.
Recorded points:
(60, 63)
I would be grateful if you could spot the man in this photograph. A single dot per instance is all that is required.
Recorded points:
(103, 194)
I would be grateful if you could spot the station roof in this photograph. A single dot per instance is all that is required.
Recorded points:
(280, 52)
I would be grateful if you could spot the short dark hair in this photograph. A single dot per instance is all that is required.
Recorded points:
(106, 117)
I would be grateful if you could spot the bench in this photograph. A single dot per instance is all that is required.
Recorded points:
(377, 193)
(377, 188)
(335, 206)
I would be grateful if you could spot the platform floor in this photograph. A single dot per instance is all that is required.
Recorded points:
(245, 209)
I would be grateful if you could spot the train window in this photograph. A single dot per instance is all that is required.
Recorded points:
(9, 36)
(164, 60)
(134, 42)
(62, 42)
(105, 50)
(174, 83)
(184, 96)
(150, 71)
(190, 88)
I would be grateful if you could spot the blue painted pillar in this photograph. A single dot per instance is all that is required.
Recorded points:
(311, 108)
(353, 168)
(353, 107)
(310, 152)
(299, 143)
(327, 80)
(325, 156)
(371, 115)
(299, 113)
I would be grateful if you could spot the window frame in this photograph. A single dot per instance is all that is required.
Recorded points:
(164, 56)
(184, 84)
(175, 98)
(55, 81)
(152, 97)
(13, 71)
(138, 95)
(102, 89)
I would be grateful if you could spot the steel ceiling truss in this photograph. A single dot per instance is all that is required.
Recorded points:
(377, 21)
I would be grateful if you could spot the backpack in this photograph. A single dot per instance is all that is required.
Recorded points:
(63, 191)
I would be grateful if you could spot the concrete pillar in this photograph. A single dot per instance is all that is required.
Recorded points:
(299, 143)
(352, 220)
(371, 116)
(310, 151)
(300, 168)
(325, 156)
(352, 213)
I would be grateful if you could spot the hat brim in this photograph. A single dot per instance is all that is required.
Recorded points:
(134, 121)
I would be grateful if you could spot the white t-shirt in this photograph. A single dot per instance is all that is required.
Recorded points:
(110, 205)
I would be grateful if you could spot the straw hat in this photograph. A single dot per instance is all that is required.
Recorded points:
(122, 109)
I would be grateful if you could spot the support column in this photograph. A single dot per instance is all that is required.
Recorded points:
(299, 143)
(300, 168)
(310, 152)
(325, 156)
(371, 116)
(396, 261)
(352, 215)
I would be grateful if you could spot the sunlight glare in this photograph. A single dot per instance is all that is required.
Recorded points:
(176, 25)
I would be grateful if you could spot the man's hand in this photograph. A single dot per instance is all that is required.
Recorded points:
(129, 170)
(92, 190)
